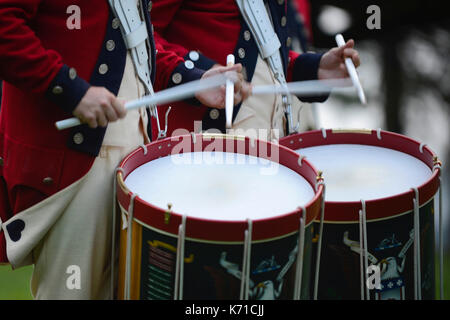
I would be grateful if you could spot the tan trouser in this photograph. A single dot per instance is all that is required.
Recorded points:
(262, 116)
(72, 261)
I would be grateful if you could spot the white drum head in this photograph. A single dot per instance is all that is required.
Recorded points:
(234, 188)
(353, 172)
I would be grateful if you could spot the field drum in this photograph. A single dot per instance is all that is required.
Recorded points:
(212, 216)
(379, 213)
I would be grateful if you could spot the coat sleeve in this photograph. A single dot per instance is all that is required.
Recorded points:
(303, 67)
(174, 62)
(26, 64)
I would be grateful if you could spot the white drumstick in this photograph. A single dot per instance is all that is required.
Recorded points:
(305, 88)
(162, 97)
(229, 95)
(352, 71)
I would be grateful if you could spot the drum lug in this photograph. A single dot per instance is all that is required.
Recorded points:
(319, 176)
(437, 162)
(168, 213)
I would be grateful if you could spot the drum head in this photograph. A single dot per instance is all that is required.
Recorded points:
(220, 186)
(353, 172)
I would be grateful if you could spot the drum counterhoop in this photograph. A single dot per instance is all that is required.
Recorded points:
(378, 213)
(176, 250)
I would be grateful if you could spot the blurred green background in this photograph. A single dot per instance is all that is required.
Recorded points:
(15, 285)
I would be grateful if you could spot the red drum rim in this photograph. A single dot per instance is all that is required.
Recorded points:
(167, 221)
(381, 208)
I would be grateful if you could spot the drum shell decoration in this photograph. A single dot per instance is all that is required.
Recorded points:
(210, 245)
(390, 224)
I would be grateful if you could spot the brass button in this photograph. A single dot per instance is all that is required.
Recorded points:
(214, 114)
(57, 90)
(1, 161)
(280, 2)
(176, 78)
(72, 73)
(241, 53)
(110, 45)
(283, 21)
(78, 138)
(150, 4)
(247, 35)
(47, 181)
(103, 69)
(115, 23)
(288, 41)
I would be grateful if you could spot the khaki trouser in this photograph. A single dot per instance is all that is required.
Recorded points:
(72, 237)
(262, 116)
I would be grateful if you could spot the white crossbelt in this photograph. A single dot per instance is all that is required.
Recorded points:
(135, 34)
(257, 18)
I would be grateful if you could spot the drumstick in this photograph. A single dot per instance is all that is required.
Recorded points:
(352, 70)
(305, 88)
(229, 95)
(162, 97)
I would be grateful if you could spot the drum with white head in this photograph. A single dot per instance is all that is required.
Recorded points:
(209, 216)
(378, 224)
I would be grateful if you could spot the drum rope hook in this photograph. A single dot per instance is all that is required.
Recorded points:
(127, 287)
(441, 245)
(300, 254)
(179, 268)
(437, 165)
(319, 244)
(163, 133)
(245, 280)
(113, 233)
(364, 256)
(417, 275)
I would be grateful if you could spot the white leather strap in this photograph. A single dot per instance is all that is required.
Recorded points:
(256, 15)
(257, 18)
(137, 36)
(260, 24)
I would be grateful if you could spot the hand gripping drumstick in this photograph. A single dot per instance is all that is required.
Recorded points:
(162, 97)
(352, 70)
(229, 95)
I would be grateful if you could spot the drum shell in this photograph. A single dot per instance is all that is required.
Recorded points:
(155, 230)
(390, 216)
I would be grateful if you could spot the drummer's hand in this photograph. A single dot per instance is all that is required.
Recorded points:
(215, 98)
(332, 65)
(98, 107)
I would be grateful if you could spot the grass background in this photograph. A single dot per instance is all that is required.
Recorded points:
(15, 285)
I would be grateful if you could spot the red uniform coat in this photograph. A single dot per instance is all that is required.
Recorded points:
(47, 67)
(203, 33)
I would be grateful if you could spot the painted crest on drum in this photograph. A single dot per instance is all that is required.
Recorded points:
(213, 270)
(390, 247)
